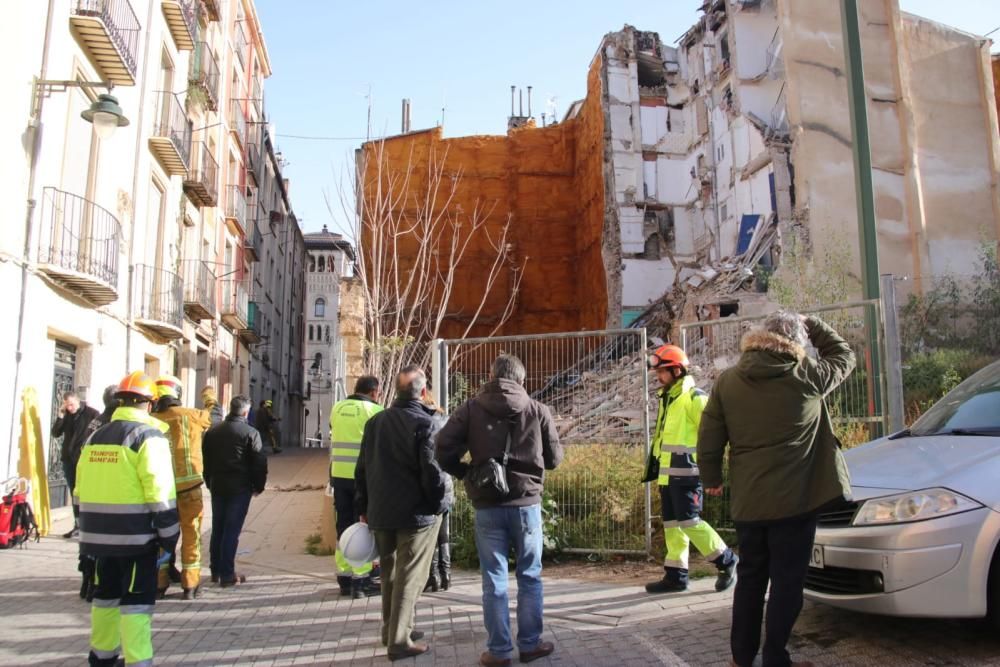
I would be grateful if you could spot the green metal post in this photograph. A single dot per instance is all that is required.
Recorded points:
(864, 188)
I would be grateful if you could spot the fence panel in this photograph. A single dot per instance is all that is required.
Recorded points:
(596, 385)
(857, 406)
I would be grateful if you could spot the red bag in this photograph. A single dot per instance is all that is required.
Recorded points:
(17, 521)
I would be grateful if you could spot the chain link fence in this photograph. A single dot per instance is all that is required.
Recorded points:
(857, 406)
(596, 385)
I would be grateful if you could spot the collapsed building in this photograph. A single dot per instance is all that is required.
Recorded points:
(688, 173)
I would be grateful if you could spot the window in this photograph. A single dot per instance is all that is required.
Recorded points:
(322, 264)
(320, 308)
(327, 334)
(310, 332)
(312, 264)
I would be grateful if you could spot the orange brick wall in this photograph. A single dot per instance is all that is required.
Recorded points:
(549, 182)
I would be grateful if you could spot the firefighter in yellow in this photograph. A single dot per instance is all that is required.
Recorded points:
(347, 424)
(128, 513)
(186, 428)
(681, 493)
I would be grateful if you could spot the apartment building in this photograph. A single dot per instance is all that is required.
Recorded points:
(135, 247)
(330, 263)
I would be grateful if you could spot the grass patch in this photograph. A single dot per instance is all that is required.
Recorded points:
(314, 546)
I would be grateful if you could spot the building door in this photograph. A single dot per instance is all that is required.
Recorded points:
(63, 380)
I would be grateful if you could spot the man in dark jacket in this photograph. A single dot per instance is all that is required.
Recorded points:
(400, 494)
(74, 423)
(501, 413)
(785, 465)
(235, 469)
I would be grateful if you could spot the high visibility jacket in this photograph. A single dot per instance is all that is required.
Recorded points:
(186, 428)
(347, 425)
(125, 487)
(676, 437)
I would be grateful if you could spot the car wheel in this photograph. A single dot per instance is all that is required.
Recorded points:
(993, 592)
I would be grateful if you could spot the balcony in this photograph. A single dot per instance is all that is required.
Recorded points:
(253, 160)
(78, 246)
(108, 32)
(236, 210)
(204, 75)
(159, 297)
(251, 242)
(234, 305)
(182, 22)
(199, 290)
(171, 139)
(257, 96)
(212, 9)
(252, 334)
(240, 43)
(238, 121)
(201, 183)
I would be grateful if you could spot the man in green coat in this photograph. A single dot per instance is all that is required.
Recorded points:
(785, 466)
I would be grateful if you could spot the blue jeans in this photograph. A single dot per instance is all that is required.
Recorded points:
(228, 514)
(496, 529)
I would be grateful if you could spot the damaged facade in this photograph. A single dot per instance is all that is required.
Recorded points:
(735, 146)
(689, 172)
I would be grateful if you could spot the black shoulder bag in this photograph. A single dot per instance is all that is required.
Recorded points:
(489, 479)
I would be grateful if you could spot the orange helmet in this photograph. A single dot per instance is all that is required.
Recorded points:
(137, 383)
(668, 356)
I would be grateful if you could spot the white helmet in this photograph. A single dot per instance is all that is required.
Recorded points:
(358, 545)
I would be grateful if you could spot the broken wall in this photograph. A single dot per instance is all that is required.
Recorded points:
(553, 198)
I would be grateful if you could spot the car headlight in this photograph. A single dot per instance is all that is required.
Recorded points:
(912, 506)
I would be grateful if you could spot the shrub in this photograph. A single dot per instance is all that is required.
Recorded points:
(930, 375)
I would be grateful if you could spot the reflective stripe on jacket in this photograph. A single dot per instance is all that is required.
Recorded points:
(347, 426)
(125, 487)
(187, 425)
(676, 437)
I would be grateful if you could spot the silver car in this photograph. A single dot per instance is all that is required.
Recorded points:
(920, 537)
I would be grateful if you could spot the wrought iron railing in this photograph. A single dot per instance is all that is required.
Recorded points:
(78, 235)
(240, 42)
(199, 284)
(234, 299)
(204, 171)
(236, 205)
(172, 123)
(205, 73)
(159, 295)
(238, 120)
(121, 23)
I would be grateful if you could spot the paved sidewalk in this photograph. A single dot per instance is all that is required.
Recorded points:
(290, 613)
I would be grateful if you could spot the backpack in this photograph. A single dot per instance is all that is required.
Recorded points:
(17, 521)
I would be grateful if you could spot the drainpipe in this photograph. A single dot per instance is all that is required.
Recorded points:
(35, 130)
(135, 189)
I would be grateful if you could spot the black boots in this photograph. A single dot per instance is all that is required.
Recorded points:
(673, 581)
(444, 565)
(727, 575)
(434, 579)
(345, 584)
(364, 588)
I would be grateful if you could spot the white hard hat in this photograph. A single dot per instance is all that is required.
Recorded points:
(358, 545)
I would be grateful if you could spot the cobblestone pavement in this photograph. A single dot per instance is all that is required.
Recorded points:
(290, 613)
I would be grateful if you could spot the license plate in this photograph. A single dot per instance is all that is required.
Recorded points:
(816, 557)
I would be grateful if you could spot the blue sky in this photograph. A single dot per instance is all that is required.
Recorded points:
(461, 55)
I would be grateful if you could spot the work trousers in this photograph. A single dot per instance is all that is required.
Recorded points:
(347, 516)
(682, 524)
(777, 553)
(190, 509)
(405, 556)
(121, 618)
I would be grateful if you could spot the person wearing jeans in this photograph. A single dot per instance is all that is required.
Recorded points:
(503, 415)
(785, 467)
(235, 469)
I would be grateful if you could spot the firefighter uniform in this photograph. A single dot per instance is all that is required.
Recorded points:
(187, 425)
(127, 499)
(681, 493)
(347, 425)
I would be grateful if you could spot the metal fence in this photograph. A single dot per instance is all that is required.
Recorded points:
(596, 385)
(858, 406)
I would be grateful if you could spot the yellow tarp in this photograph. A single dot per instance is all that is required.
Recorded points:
(31, 465)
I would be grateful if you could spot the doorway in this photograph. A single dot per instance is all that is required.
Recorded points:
(63, 380)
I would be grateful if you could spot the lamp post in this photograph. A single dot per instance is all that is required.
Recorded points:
(106, 116)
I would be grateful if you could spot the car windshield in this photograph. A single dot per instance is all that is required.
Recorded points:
(971, 408)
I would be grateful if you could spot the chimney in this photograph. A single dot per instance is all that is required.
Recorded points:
(406, 115)
(529, 101)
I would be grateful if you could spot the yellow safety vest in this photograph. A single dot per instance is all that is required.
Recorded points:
(676, 437)
(125, 486)
(347, 426)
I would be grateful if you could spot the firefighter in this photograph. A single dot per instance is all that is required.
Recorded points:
(186, 428)
(347, 424)
(681, 493)
(128, 513)
(264, 421)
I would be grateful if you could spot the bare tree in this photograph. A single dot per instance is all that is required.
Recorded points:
(414, 240)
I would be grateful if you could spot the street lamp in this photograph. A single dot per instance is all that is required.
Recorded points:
(106, 115)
